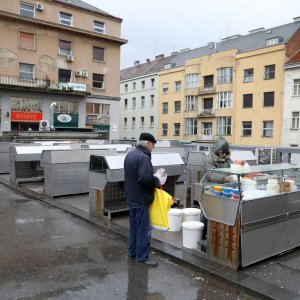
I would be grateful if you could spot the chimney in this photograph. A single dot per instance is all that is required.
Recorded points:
(160, 56)
(296, 19)
(147, 60)
(136, 63)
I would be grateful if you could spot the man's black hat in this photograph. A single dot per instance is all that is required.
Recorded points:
(147, 137)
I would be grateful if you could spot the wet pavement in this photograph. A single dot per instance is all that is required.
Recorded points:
(48, 253)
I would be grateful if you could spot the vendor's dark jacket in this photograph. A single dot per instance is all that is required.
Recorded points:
(139, 179)
(214, 162)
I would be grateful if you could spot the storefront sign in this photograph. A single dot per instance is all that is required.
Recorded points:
(66, 120)
(97, 119)
(26, 116)
(76, 87)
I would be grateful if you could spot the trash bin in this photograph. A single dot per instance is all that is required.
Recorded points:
(191, 234)
(175, 219)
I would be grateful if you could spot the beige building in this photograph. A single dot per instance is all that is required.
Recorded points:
(60, 63)
(233, 88)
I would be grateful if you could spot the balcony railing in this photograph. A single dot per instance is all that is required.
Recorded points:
(206, 113)
(208, 89)
(49, 86)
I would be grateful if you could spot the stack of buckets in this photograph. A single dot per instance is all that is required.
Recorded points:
(189, 220)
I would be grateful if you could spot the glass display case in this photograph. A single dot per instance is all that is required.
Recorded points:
(253, 213)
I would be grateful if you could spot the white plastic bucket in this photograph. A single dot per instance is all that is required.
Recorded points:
(191, 234)
(191, 214)
(175, 219)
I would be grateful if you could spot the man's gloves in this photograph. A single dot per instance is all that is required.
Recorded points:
(161, 175)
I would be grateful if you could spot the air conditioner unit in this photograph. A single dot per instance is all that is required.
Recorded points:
(44, 125)
(39, 6)
(78, 73)
(85, 74)
(70, 58)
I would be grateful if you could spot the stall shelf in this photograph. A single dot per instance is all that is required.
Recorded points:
(263, 222)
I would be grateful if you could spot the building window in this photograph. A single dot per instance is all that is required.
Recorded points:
(151, 121)
(125, 122)
(247, 128)
(192, 80)
(208, 82)
(98, 81)
(133, 86)
(225, 75)
(178, 86)
(224, 126)
(126, 88)
(165, 88)
(295, 120)
(143, 84)
(64, 75)
(164, 128)
(267, 128)
(65, 19)
(142, 122)
(98, 53)
(191, 102)
(27, 10)
(26, 72)
(224, 100)
(177, 106)
(143, 101)
(25, 104)
(125, 103)
(133, 102)
(151, 100)
(296, 87)
(165, 107)
(133, 122)
(27, 41)
(152, 82)
(99, 27)
(269, 72)
(97, 108)
(247, 100)
(65, 48)
(190, 126)
(176, 128)
(268, 99)
(63, 106)
(248, 75)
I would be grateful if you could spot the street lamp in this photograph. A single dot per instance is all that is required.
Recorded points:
(52, 106)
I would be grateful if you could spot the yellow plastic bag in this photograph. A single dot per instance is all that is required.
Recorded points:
(159, 208)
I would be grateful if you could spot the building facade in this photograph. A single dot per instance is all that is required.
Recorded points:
(60, 64)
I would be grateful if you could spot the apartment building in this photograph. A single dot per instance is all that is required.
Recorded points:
(234, 88)
(60, 64)
(291, 108)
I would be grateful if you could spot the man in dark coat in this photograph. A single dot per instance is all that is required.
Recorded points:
(140, 183)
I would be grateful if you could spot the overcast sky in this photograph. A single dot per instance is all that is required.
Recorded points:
(155, 27)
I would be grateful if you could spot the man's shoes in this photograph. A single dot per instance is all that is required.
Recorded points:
(149, 263)
(131, 257)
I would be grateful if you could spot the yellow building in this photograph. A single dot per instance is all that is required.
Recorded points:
(233, 88)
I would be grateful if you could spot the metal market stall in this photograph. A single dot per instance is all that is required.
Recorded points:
(25, 162)
(107, 180)
(262, 222)
(67, 172)
(4, 157)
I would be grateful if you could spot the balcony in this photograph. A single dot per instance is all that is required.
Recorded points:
(206, 113)
(208, 89)
(43, 85)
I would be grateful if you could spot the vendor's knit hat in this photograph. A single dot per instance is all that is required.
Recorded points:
(147, 137)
